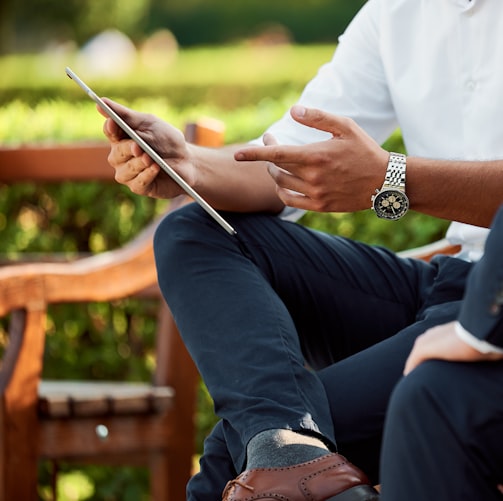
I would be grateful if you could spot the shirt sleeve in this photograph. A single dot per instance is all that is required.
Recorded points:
(352, 84)
(474, 342)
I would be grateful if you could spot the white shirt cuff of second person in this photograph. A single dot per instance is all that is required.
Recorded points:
(475, 342)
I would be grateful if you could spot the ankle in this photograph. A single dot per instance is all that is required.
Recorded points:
(279, 448)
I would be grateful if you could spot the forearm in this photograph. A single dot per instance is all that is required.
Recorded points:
(469, 192)
(234, 186)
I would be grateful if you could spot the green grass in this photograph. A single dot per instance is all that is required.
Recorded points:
(230, 76)
(247, 87)
(237, 64)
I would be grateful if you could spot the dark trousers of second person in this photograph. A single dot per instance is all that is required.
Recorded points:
(295, 329)
(444, 433)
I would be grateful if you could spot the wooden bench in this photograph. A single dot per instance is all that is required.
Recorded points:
(81, 421)
(428, 251)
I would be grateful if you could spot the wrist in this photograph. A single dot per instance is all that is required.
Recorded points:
(390, 201)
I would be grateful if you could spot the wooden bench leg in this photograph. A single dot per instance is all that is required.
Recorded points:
(18, 407)
(181, 375)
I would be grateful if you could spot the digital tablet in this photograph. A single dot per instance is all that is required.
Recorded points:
(152, 153)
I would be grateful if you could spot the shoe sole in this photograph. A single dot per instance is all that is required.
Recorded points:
(358, 493)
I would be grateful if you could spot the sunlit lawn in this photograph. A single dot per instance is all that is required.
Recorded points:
(232, 64)
(285, 69)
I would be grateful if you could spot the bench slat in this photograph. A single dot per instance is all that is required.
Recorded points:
(85, 399)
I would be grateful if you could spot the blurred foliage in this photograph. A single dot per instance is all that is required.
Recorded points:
(94, 483)
(70, 217)
(33, 24)
(115, 341)
(199, 22)
(192, 78)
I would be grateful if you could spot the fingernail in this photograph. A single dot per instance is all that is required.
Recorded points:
(298, 110)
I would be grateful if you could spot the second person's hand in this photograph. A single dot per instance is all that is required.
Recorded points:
(442, 343)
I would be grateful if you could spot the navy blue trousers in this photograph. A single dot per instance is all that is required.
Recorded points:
(292, 328)
(443, 435)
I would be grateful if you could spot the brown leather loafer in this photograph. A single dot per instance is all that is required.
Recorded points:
(330, 477)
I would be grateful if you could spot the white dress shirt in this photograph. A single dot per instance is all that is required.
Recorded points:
(434, 68)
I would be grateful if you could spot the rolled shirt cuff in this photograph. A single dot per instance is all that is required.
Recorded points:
(475, 342)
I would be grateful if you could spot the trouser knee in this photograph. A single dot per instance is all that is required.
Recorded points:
(178, 226)
(181, 240)
(421, 394)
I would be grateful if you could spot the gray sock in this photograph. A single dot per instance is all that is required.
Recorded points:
(278, 448)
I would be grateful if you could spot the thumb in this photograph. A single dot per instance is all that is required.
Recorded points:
(318, 119)
(133, 118)
(410, 364)
(269, 139)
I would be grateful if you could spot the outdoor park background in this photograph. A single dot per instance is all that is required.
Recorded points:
(242, 62)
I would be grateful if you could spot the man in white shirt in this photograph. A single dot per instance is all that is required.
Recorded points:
(254, 307)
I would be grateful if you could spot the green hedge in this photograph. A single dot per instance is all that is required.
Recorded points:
(193, 22)
(198, 22)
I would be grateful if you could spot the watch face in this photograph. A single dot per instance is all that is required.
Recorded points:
(390, 204)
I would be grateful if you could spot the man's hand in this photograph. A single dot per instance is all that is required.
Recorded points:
(136, 169)
(442, 343)
(337, 175)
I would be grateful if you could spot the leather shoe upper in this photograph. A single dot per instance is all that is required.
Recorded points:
(315, 480)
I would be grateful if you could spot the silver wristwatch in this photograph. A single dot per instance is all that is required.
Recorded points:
(391, 202)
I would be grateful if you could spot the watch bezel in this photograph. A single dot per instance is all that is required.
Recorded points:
(386, 215)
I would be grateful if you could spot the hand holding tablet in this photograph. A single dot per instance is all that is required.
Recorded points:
(152, 153)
